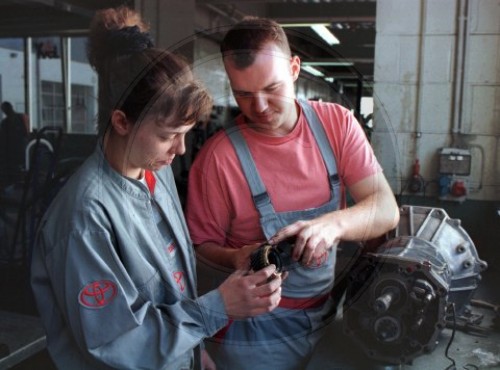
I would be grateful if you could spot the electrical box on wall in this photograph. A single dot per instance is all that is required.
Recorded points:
(454, 173)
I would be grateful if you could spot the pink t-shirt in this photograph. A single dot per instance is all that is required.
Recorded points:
(219, 205)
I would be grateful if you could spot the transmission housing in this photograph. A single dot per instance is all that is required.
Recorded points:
(399, 293)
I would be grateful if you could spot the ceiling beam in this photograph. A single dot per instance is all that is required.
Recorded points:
(326, 61)
(65, 6)
(281, 1)
(327, 12)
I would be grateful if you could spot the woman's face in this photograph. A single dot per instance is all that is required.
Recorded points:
(155, 142)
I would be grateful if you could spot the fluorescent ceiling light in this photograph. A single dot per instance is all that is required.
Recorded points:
(303, 24)
(312, 71)
(325, 34)
(329, 79)
(330, 64)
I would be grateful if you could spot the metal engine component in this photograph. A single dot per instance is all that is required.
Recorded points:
(398, 294)
(280, 255)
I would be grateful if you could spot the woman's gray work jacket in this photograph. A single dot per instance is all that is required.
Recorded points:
(112, 290)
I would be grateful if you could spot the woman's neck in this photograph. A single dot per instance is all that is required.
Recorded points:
(116, 151)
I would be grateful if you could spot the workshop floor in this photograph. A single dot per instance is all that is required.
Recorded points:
(336, 351)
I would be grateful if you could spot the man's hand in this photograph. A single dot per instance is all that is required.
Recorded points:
(246, 295)
(313, 238)
(206, 361)
(232, 258)
(241, 256)
(374, 213)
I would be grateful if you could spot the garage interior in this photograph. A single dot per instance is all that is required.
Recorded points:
(421, 76)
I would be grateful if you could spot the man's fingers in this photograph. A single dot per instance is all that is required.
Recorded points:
(286, 232)
(298, 248)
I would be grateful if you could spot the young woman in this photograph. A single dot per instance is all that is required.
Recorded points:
(113, 267)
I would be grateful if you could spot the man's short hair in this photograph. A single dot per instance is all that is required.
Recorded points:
(7, 108)
(249, 36)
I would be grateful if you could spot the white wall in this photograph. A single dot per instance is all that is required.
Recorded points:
(417, 75)
(12, 78)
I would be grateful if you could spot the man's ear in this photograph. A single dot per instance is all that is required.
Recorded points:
(295, 67)
(120, 123)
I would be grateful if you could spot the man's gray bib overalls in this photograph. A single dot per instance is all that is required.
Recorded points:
(287, 334)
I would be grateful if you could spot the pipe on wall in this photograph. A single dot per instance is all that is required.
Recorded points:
(28, 75)
(66, 78)
(420, 83)
(460, 46)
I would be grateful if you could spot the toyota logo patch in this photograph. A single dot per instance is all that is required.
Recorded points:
(97, 294)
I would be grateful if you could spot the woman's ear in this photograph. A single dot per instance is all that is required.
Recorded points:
(121, 125)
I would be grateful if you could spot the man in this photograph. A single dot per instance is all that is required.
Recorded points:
(13, 140)
(280, 173)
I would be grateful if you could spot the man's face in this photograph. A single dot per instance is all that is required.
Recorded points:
(264, 91)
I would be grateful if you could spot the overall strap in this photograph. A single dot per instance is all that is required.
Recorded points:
(322, 140)
(258, 189)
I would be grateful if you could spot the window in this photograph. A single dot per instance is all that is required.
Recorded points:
(52, 104)
(44, 67)
(83, 109)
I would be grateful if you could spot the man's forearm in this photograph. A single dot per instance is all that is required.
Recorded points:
(367, 219)
(375, 211)
(217, 254)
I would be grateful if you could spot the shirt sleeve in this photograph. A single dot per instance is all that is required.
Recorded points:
(354, 154)
(108, 316)
(208, 211)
